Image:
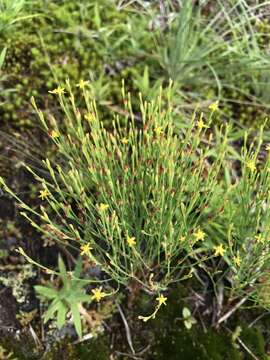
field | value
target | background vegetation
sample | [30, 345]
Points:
[203, 54]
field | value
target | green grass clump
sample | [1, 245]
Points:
[151, 202]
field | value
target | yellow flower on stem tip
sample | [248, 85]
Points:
[89, 117]
[57, 91]
[199, 235]
[82, 83]
[219, 250]
[98, 294]
[44, 194]
[125, 140]
[131, 241]
[214, 106]
[103, 207]
[54, 134]
[251, 165]
[237, 260]
[161, 299]
[259, 238]
[158, 130]
[201, 124]
[86, 249]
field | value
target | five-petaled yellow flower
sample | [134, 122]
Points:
[219, 250]
[44, 194]
[237, 260]
[98, 294]
[82, 83]
[125, 140]
[259, 238]
[199, 235]
[158, 130]
[214, 106]
[58, 91]
[103, 207]
[86, 249]
[131, 241]
[251, 165]
[201, 124]
[161, 299]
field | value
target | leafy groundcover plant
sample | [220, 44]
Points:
[151, 200]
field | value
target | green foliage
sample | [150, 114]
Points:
[150, 201]
[68, 298]
[12, 12]
[219, 50]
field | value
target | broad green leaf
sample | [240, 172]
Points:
[76, 318]
[78, 268]
[61, 315]
[63, 271]
[46, 292]
[51, 310]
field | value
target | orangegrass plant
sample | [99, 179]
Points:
[133, 198]
[150, 202]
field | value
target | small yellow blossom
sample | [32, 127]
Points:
[199, 235]
[267, 148]
[131, 241]
[214, 106]
[161, 299]
[103, 207]
[251, 165]
[82, 84]
[98, 294]
[158, 130]
[58, 91]
[54, 134]
[219, 250]
[182, 238]
[237, 260]
[259, 238]
[44, 194]
[89, 117]
[201, 124]
[125, 140]
[86, 249]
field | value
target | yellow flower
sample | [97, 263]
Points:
[98, 294]
[82, 84]
[267, 147]
[161, 299]
[158, 130]
[251, 165]
[259, 238]
[182, 238]
[58, 91]
[90, 117]
[131, 241]
[199, 235]
[214, 106]
[237, 260]
[86, 249]
[103, 207]
[201, 124]
[219, 250]
[44, 194]
[124, 140]
[54, 134]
